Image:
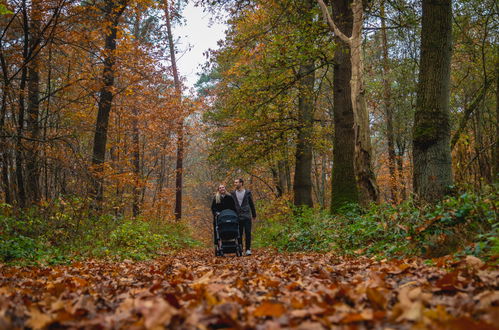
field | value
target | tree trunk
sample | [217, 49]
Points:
[363, 152]
[431, 134]
[136, 163]
[387, 104]
[495, 170]
[113, 11]
[32, 171]
[343, 183]
[282, 175]
[4, 149]
[21, 193]
[180, 124]
[302, 188]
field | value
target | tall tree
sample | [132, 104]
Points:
[387, 105]
[32, 171]
[363, 151]
[180, 124]
[431, 133]
[302, 188]
[343, 183]
[113, 9]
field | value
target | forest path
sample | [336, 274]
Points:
[269, 290]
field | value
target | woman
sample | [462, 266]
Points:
[221, 201]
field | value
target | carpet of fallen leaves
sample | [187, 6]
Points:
[194, 290]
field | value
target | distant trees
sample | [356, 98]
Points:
[86, 106]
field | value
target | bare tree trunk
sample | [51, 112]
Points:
[343, 184]
[282, 172]
[32, 171]
[363, 165]
[5, 150]
[113, 11]
[302, 188]
[431, 134]
[180, 124]
[21, 192]
[136, 163]
[495, 170]
[387, 102]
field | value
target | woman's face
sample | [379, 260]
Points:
[221, 189]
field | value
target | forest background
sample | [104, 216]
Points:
[104, 151]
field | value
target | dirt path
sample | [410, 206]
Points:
[267, 290]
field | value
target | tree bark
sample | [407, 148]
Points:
[180, 125]
[343, 183]
[112, 13]
[302, 189]
[387, 104]
[366, 180]
[495, 170]
[32, 170]
[21, 192]
[431, 133]
[363, 151]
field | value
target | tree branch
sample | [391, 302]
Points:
[331, 24]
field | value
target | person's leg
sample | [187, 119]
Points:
[215, 241]
[247, 229]
[241, 230]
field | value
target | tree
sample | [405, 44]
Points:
[363, 153]
[343, 183]
[113, 9]
[180, 121]
[302, 188]
[431, 134]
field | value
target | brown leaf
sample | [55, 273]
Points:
[269, 309]
[37, 319]
[376, 297]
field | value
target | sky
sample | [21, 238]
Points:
[198, 34]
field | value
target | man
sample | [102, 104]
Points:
[246, 211]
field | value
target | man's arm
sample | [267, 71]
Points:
[251, 204]
[232, 203]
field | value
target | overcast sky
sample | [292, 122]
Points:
[201, 36]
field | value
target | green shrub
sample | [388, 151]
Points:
[66, 230]
[466, 222]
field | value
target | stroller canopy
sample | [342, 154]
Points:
[227, 215]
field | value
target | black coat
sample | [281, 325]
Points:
[247, 209]
[226, 203]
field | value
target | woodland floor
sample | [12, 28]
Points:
[268, 290]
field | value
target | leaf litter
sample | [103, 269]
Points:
[269, 290]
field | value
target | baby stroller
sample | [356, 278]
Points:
[227, 231]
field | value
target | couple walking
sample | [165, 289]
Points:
[240, 201]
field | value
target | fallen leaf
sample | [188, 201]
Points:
[269, 309]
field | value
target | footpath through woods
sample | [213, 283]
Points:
[268, 290]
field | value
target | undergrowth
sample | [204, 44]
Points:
[466, 223]
[66, 231]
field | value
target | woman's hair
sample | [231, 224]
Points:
[218, 195]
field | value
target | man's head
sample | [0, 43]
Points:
[238, 183]
[221, 189]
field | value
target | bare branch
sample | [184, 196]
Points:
[331, 24]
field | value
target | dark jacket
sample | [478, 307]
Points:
[247, 209]
[227, 202]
